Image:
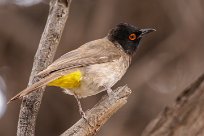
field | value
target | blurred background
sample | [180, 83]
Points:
[167, 61]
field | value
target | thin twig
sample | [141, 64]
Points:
[58, 14]
[99, 114]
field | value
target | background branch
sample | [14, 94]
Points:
[59, 10]
[100, 113]
[185, 117]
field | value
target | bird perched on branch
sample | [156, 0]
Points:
[93, 67]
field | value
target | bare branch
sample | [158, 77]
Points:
[185, 117]
[58, 14]
[100, 113]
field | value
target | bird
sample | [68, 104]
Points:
[94, 66]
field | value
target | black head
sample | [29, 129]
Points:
[128, 36]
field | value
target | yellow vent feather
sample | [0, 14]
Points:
[69, 81]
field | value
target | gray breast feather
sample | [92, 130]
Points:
[108, 73]
[100, 77]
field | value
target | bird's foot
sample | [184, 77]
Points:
[83, 114]
[110, 93]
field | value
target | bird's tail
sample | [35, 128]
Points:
[43, 82]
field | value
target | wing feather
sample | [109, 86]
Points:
[95, 52]
[88, 54]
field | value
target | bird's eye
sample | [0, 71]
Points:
[132, 37]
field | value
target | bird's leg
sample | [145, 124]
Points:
[78, 102]
[81, 110]
[80, 107]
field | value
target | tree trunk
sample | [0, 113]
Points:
[58, 14]
[185, 117]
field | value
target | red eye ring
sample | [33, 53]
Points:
[132, 37]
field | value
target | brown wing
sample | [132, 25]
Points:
[90, 53]
[95, 52]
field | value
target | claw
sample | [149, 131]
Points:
[110, 93]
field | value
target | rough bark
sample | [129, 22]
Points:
[58, 14]
[99, 114]
[185, 117]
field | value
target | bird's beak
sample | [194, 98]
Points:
[146, 31]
